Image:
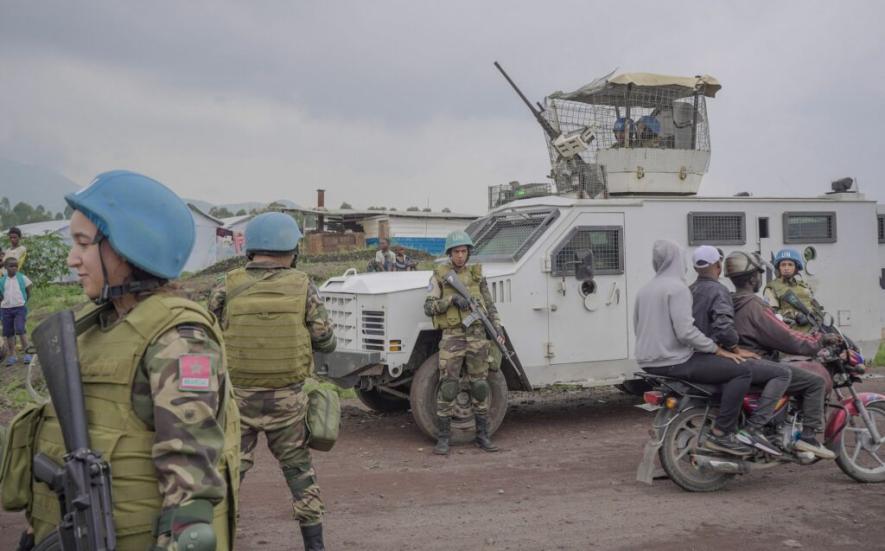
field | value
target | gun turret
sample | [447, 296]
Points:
[83, 482]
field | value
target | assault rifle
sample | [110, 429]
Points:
[477, 314]
[83, 482]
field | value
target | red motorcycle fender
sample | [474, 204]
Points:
[839, 418]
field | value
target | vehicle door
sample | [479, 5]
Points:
[587, 321]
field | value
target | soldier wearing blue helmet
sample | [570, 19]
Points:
[273, 320]
[648, 131]
[623, 130]
[154, 379]
[789, 264]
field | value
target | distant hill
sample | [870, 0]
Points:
[234, 207]
[34, 185]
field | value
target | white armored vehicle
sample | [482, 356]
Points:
[612, 195]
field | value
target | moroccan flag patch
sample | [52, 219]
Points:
[194, 372]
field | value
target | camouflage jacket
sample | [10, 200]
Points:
[189, 439]
[434, 304]
[322, 336]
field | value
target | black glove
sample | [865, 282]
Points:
[801, 319]
[26, 542]
[830, 339]
[461, 302]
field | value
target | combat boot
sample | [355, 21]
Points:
[444, 424]
[482, 434]
[313, 537]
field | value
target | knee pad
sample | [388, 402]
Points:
[479, 389]
[298, 479]
[448, 389]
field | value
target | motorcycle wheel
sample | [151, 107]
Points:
[859, 457]
[680, 439]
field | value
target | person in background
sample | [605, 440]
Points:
[621, 128]
[16, 249]
[402, 261]
[384, 257]
[15, 288]
[648, 130]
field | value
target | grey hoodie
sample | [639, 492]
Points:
[662, 320]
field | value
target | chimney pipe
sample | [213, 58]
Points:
[321, 204]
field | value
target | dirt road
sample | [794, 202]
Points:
[563, 480]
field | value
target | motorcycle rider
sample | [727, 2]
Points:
[668, 343]
[714, 316]
[788, 263]
[762, 332]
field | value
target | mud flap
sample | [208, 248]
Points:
[649, 469]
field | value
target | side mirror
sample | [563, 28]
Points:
[828, 320]
[584, 269]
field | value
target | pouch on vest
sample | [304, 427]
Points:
[323, 418]
[495, 357]
[18, 458]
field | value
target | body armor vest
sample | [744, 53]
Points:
[471, 277]
[267, 340]
[109, 359]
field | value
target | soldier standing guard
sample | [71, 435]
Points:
[160, 406]
[459, 345]
[273, 318]
[788, 263]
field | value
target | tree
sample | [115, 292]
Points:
[412, 209]
[68, 212]
[59, 216]
[241, 212]
[345, 205]
[427, 209]
[220, 212]
[46, 260]
[447, 209]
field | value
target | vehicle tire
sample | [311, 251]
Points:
[858, 457]
[423, 399]
[52, 542]
[680, 438]
[382, 402]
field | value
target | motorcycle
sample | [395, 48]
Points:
[685, 411]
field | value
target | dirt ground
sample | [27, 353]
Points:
[565, 479]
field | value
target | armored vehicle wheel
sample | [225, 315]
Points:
[382, 402]
[423, 395]
[50, 543]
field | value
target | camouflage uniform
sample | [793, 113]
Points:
[280, 412]
[777, 288]
[459, 346]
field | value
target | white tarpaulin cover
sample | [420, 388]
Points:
[610, 90]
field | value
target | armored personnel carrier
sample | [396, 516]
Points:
[628, 153]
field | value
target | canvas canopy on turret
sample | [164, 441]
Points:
[609, 90]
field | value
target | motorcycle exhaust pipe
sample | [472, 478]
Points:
[720, 464]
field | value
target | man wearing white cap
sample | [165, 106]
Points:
[713, 313]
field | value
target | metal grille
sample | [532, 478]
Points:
[881, 228]
[606, 242]
[809, 227]
[717, 228]
[505, 193]
[373, 329]
[341, 309]
[509, 235]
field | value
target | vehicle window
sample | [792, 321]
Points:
[507, 236]
[606, 242]
[717, 228]
[809, 227]
[881, 228]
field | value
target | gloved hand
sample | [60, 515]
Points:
[461, 302]
[801, 319]
[186, 527]
[830, 339]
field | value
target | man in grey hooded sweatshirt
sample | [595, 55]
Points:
[668, 343]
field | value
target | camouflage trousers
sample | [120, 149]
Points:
[279, 413]
[459, 348]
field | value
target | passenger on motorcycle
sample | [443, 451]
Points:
[668, 343]
[761, 331]
[714, 316]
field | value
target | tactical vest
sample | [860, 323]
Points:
[268, 343]
[799, 288]
[109, 359]
[471, 278]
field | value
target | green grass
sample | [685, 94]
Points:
[53, 298]
[879, 360]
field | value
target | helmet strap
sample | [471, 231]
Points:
[108, 292]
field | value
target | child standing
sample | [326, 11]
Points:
[15, 288]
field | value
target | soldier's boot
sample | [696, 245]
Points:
[444, 425]
[482, 434]
[313, 537]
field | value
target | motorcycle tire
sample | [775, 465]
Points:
[52, 542]
[858, 458]
[680, 438]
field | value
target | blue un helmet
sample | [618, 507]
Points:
[272, 232]
[651, 123]
[621, 123]
[145, 222]
[789, 254]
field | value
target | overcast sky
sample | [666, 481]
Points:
[397, 103]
